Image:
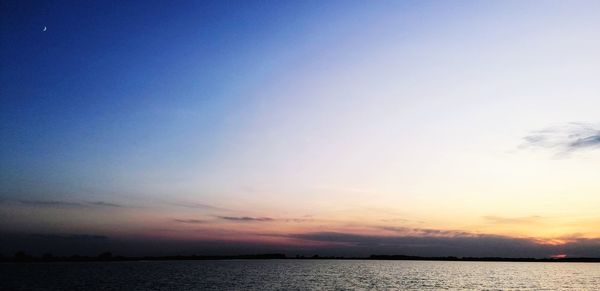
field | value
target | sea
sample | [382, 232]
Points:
[299, 275]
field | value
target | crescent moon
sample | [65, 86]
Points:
[45, 28]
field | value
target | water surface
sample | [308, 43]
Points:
[300, 275]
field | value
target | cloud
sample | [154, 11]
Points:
[245, 218]
[189, 220]
[71, 236]
[474, 245]
[589, 141]
[396, 220]
[264, 219]
[104, 204]
[425, 231]
[566, 138]
[200, 206]
[60, 203]
[512, 220]
[50, 203]
[297, 220]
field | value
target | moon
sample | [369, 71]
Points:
[45, 28]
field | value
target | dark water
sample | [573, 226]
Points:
[300, 275]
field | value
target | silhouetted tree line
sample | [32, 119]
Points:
[480, 259]
[22, 257]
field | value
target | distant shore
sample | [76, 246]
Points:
[108, 257]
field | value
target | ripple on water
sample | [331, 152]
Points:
[300, 275]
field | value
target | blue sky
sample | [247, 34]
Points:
[108, 87]
[106, 82]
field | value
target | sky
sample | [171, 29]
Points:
[466, 128]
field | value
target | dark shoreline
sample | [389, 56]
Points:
[107, 257]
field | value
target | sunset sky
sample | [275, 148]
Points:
[333, 127]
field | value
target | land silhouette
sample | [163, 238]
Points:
[22, 257]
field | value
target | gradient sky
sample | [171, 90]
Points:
[417, 127]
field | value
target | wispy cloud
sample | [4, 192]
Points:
[589, 141]
[297, 220]
[512, 220]
[189, 221]
[86, 237]
[246, 218]
[395, 220]
[61, 203]
[426, 231]
[104, 204]
[50, 203]
[199, 206]
[566, 138]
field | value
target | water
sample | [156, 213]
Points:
[300, 275]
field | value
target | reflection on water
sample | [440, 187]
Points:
[299, 275]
